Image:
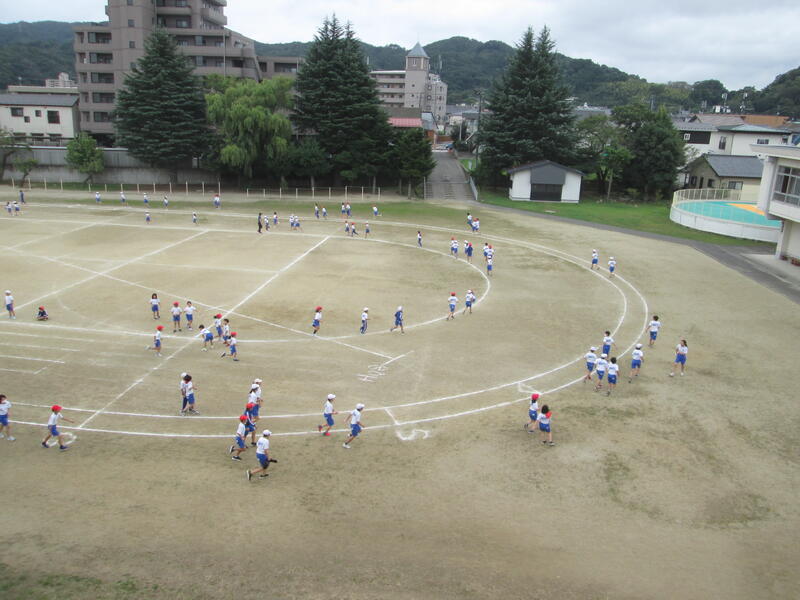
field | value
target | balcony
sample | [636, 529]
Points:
[214, 16]
[174, 10]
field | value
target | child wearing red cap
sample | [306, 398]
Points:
[544, 425]
[156, 340]
[317, 319]
[241, 433]
[176, 316]
[231, 348]
[226, 332]
[452, 301]
[52, 428]
[42, 314]
[533, 412]
[218, 325]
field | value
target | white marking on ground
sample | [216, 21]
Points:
[424, 434]
[31, 358]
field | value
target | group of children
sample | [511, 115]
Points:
[13, 208]
[595, 266]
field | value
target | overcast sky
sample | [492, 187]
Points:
[739, 42]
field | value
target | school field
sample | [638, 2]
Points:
[671, 487]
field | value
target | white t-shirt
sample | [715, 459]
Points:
[470, 297]
[176, 310]
[355, 417]
[328, 410]
[613, 368]
[454, 244]
[534, 405]
[241, 431]
[490, 252]
[158, 335]
[601, 364]
[9, 299]
[318, 316]
[182, 387]
[612, 263]
[590, 357]
[252, 397]
[608, 340]
[226, 330]
[189, 387]
[364, 316]
[543, 418]
[655, 325]
[682, 349]
[4, 406]
[595, 255]
[217, 322]
[189, 310]
[155, 301]
[262, 445]
[452, 300]
[53, 420]
[256, 389]
[637, 354]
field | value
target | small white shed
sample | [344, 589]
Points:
[545, 180]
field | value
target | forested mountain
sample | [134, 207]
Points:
[36, 51]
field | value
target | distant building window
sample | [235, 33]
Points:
[53, 117]
[38, 113]
[723, 141]
[735, 185]
[131, 23]
[102, 77]
[785, 140]
[101, 117]
[26, 119]
[131, 44]
[133, 65]
[686, 136]
[762, 141]
[55, 137]
[710, 183]
[16, 111]
[182, 23]
[130, 2]
[787, 186]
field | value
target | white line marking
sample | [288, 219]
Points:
[50, 236]
[18, 371]
[124, 264]
[413, 435]
[391, 416]
[29, 358]
[36, 346]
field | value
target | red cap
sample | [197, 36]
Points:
[490, 245]
[160, 327]
[534, 396]
[452, 238]
[41, 308]
[175, 303]
[243, 418]
[55, 408]
[318, 308]
[233, 334]
[250, 405]
[452, 293]
[218, 316]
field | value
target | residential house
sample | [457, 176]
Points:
[545, 180]
[40, 119]
[722, 171]
[729, 134]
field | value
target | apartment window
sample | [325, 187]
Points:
[101, 58]
[238, 63]
[183, 23]
[26, 119]
[102, 97]
[131, 23]
[102, 78]
[131, 44]
[181, 3]
[686, 137]
[711, 183]
[85, 116]
[785, 140]
[735, 185]
[37, 135]
[38, 113]
[199, 40]
[99, 37]
[133, 66]
[723, 141]
[162, 22]
[787, 186]
[16, 111]
[130, 2]
[101, 117]
[53, 117]
[762, 141]
[55, 137]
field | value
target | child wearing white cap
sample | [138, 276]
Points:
[637, 356]
[354, 420]
[327, 414]
[591, 359]
[612, 265]
[595, 260]
[262, 455]
[255, 398]
[398, 320]
[10, 305]
[364, 319]
[469, 300]
[600, 368]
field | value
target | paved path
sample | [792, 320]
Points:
[448, 181]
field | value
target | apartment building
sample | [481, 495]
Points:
[414, 87]
[106, 52]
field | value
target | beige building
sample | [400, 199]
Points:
[105, 53]
[40, 119]
[415, 87]
[779, 196]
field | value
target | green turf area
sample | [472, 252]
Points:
[650, 217]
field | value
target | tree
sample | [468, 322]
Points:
[782, 96]
[9, 148]
[160, 114]
[337, 100]
[531, 116]
[84, 155]
[251, 123]
[595, 134]
[414, 156]
[707, 93]
[309, 159]
[25, 165]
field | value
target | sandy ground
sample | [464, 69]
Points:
[671, 487]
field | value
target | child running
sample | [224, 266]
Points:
[595, 260]
[366, 230]
[613, 370]
[317, 319]
[354, 419]
[5, 428]
[226, 332]
[489, 265]
[239, 445]
[9, 302]
[454, 247]
[262, 455]
[176, 316]
[147, 218]
[398, 320]
[591, 359]
[612, 265]
[157, 341]
[254, 398]
[681, 350]
[52, 428]
[655, 326]
[600, 368]
[231, 348]
[327, 414]
[533, 412]
[608, 341]
[637, 356]
[194, 218]
[469, 300]
[419, 239]
[544, 425]
[452, 301]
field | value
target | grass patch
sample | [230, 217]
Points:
[650, 217]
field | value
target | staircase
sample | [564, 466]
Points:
[448, 180]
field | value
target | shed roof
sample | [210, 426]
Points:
[38, 99]
[403, 122]
[542, 163]
[727, 165]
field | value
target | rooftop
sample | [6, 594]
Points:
[38, 99]
[418, 52]
[542, 163]
[726, 165]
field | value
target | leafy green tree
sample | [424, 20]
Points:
[337, 100]
[309, 159]
[25, 164]
[782, 96]
[613, 161]
[251, 123]
[595, 135]
[707, 93]
[84, 155]
[9, 148]
[414, 157]
[161, 113]
[531, 115]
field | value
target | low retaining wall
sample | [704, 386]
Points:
[735, 229]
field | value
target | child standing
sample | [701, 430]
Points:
[469, 300]
[637, 356]
[5, 428]
[155, 306]
[123, 200]
[489, 265]
[189, 312]
[468, 250]
[194, 218]
[454, 247]
[147, 218]
[398, 320]
[544, 425]
[366, 230]
[375, 211]
[324, 213]
[613, 370]
[97, 197]
[176, 316]
[232, 348]
[145, 200]
[533, 412]
[226, 332]
[9, 302]
[364, 320]
[452, 301]
[156, 341]
[681, 350]
[218, 325]
[354, 419]
[419, 239]
[317, 319]
[327, 414]
[655, 326]
[52, 428]
[166, 202]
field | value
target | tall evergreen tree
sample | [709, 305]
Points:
[339, 102]
[414, 156]
[161, 112]
[531, 117]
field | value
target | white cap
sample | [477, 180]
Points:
[359, 406]
[183, 375]
[266, 433]
[366, 309]
[638, 346]
[399, 308]
[611, 258]
[257, 380]
[470, 291]
[331, 396]
[8, 291]
[592, 349]
[594, 249]
[604, 355]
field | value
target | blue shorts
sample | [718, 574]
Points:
[469, 303]
[680, 359]
[611, 269]
[545, 428]
[653, 335]
[594, 261]
[489, 267]
[606, 349]
[208, 337]
[255, 410]
[219, 331]
[398, 322]
[590, 367]
[232, 348]
[3, 419]
[533, 414]
[366, 230]
[54, 430]
[248, 427]
[635, 364]
[328, 419]
[262, 460]
[612, 379]
[315, 323]
[176, 318]
[154, 308]
[355, 429]
[469, 252]
[9, 306]
[189, 317]
[600, 375]
[226, 338]
[240, 442]
[190, 398]
[452, 308]
[157, 344]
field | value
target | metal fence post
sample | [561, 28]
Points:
[187, 188]
[61, 181]
[345, 192]
[170, 188]
[154, 188]
[204, 188]
[313, 192]
[362, 192]
[329, 193]
[137, 187]
[45, 183]
[296, 193]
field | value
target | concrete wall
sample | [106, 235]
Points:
[572, 188]
[521, 183]
[121, 167]
[723, 227]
